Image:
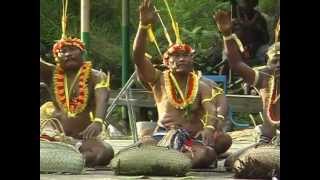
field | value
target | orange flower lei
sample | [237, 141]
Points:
[78, 103]
[175, 97]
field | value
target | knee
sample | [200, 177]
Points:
[97, 153]
[223, 143]
[203, 157]
[267, 129]
[104, 154]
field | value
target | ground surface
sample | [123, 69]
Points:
[240, 139]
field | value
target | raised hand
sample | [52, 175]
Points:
[147, 13]
[223, 21]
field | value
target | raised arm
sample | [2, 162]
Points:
[146, 71]
[236, 63]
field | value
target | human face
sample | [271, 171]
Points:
[181, 62]
[69, 58]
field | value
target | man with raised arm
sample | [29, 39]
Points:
[188, 118]
[266, 79]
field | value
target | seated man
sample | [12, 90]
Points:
[251, 28]
[188, 119]
[79, 96]
[266, 79]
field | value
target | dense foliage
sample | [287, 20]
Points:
[194, 18]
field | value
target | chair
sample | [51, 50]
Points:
[218, 79]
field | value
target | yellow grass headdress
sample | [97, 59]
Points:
[178, 46]
[65, 40]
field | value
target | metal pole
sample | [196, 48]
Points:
[85, 24]
[123, 90]
[125, 47]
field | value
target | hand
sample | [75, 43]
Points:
[92, 131]
[207, 136]
[147, 13]
[223, 20]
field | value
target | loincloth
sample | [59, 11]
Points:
[179, 139]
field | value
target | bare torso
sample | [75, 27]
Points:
[169, 116]
[73, 125]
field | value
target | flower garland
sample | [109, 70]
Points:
[175, 95]
[76, 104]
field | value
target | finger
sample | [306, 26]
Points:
[92, 134]
[205, 139]
[156, 10]
[210, 140]
[149, 3]
[214, 16]
[227, 14]
[218, 14]
[145, 3]
[197, 135]
[86, 133]
[207, 142]
[82, 133]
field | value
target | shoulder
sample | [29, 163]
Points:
[261, 16]
[208, 82]
[205, 86]
[98, 76]
[209, 89]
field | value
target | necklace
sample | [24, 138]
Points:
[72, 105]
[176, 97]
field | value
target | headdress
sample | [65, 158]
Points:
[65, 40]
[72, 105]
[178, 46]
[177, 98]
